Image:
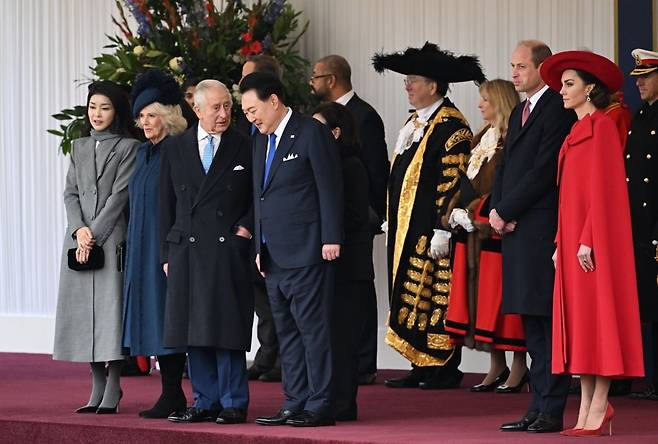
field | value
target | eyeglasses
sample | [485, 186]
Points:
[411, 80]
[312, 79]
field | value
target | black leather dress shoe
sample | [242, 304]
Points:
[194, 414]
[310, 419]
[545, 424]
[231, 416]
[272, 375]
[279, 419]
[521, 425]
[491, 386]
[442, 381]
[412, 380]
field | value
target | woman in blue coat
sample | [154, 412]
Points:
[155, 99]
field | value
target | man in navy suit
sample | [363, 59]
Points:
[524, 211]
[332, 81]
[298, 210]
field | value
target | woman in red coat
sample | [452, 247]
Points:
[596, 323]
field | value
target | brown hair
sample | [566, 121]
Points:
[539, 50]
[266, 63]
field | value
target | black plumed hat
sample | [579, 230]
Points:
[152, 86]
[432, 62]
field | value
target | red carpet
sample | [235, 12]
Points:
[38, 397]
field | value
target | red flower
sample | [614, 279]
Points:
[244, 50]
[256, 47]
[251, 21]
[246, 36]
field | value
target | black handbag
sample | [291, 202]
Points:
[96, 259]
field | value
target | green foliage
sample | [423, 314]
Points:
[193, 39]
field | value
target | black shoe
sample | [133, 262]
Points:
[545, 424]
[310, 419]
[110, 410]
[515, 388]
[648, 395]
[231, 416]
[495, 383]
[194, 414]
[279, 419]
[521, 425]
[367, 378]
[87, 409]
[443, 381]
[412, 380]
[164, 407]
[254, 372]
[273, 375]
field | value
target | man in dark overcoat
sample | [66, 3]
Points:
[642, 177]
[524, 210]
[206, 225]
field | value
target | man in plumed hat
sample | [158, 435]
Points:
[641, 167]
[431, 150]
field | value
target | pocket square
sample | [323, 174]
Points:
[238, 168]
[290, 157]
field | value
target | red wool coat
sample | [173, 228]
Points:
[596, 322]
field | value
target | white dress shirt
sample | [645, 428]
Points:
[345, 97]
[536, 96]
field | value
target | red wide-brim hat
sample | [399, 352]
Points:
[600, 67]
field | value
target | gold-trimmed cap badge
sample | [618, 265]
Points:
[645, 61]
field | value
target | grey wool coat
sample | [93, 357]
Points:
[89, 304]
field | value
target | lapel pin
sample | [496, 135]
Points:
[292, 136]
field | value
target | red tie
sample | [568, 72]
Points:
[526, 112]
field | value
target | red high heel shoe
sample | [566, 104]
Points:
[607, 421]
[569, 432]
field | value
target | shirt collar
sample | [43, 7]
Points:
[425, 113]
[345, 97]
[536, 96]
[282, 125]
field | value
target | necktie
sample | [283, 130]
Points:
[526, 112]
[253, 129]
[271, 149]
[208, 151]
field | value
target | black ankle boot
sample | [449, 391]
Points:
[172, 398]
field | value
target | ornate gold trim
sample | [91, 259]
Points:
[461, 135]
[439, 342]
[440, 300]
[407, 350]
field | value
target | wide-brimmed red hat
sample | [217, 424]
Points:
[600, 67]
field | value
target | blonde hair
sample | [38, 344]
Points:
[503, 97]
[171, 116]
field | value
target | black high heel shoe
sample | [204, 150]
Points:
[110, 410]
[87, 409]
[496, 382]
[516, 388]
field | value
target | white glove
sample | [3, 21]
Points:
[440, 244]
[459, 216]
[384, 226]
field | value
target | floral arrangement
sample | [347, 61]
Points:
[195, 39]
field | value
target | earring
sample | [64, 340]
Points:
[587, 97]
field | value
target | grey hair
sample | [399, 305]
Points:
[205, 85]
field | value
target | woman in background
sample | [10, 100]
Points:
[89, 304]
[156, 110]
[474, 316]
[354, 269]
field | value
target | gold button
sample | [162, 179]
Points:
[628, 156]
[644, 204]
[627, 179]
[646, 180]
[641, 111]
[653, 132]
[648, 156]
[629, 132]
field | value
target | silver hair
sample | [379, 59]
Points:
[205, 85]
[172, 118]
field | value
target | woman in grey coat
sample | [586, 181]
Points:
[89, 305]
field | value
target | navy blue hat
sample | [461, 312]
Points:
[154, 86]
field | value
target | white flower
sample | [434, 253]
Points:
[176, 64]
[138, 50]
[236, 58]
[121, 70]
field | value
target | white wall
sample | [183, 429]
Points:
[47, 44]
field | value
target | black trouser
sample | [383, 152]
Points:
[549, 391]
[267, 356]
[367, 346]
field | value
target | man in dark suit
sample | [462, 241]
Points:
[207, 220]
[298, 207]
[641, 168]
[524, 211]
[267, 365]
[331, 82]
